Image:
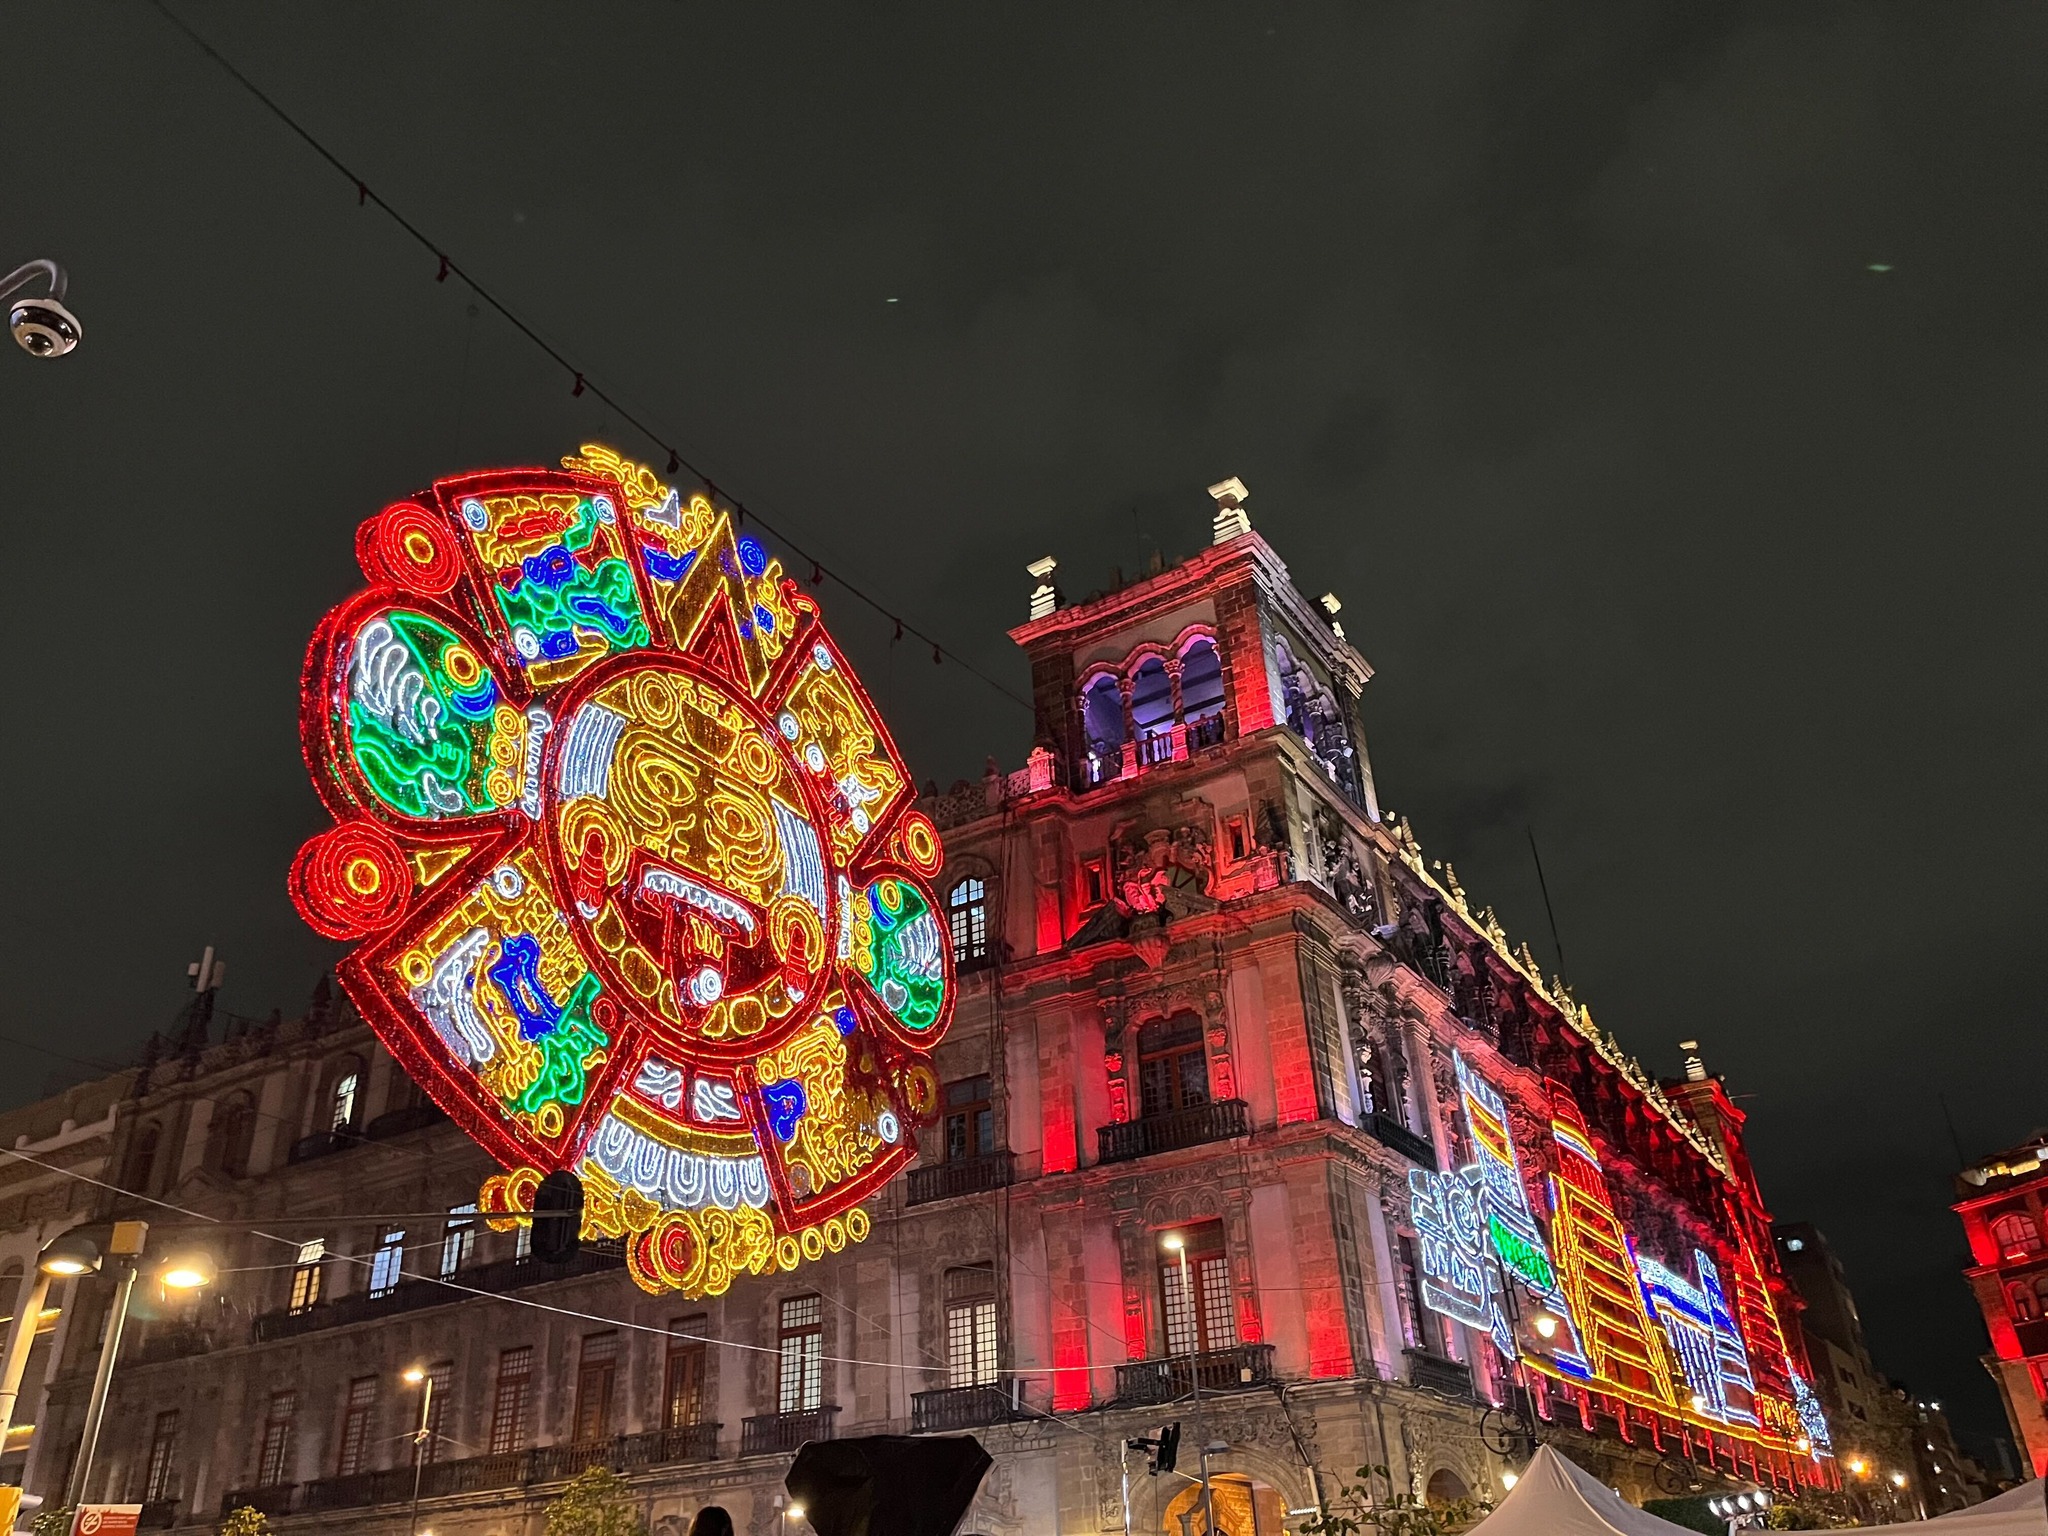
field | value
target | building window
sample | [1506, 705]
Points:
[1173, 1066]
[306, 1274]
[967, 912]
[802, 1365]
[388, 1262]
[227, 1141]
[970, 1118]
[355, 1425]
[163, 1457]
[274, 1463]
[1206, 1319]
[1094, 883]
[458, 1238]
[508, 1410]
[596, 1373]
[344, 1116]
[1419, 1321]
[971, 1326]
[2017, 1234]
[142, 1162]
[440, 1377]
[682, 1387]
[522, 1242]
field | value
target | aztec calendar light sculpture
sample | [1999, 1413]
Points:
[638, 883]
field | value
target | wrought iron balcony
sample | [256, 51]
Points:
[1188, 1127]
[508, 1469]
[778, 1434]
[963, 1408]
[167, 1340]
[1206, 732]
[274, 1500]
[412, 1293]
[1218, 1370]
[1434, 1372]
[960, 1176]
[1391, 1132]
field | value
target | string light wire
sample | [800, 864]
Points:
[583, 383]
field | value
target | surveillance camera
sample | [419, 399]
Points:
[44, 328]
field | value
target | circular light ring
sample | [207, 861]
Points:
[351, 881]
[410, 548]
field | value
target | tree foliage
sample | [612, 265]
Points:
[1361, 1507]
[597, 1502]
[242, 1522]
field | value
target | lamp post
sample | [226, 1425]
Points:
[422, 1378]
[1174, 1243]
[21, 1338]
[84, 1251]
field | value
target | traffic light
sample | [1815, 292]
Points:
[1168, 1454]
[1164, 1451]
[558, 1218]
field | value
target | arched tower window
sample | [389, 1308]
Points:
[1201, 694]
[1102, 724]
[2016, 1233]
[1152, 710]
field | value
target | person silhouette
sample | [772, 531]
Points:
[711, 1520]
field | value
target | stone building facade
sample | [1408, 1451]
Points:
[2003, 1203]
[1215, 1010]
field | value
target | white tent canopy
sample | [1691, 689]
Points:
[2022, 1511]
[1555, 1498]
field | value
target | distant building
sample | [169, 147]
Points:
[2000, 1203]
[70, 1133]
[1242, 1093]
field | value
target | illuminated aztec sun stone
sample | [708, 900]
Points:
[632, 862]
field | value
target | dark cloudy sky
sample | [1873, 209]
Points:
[1548, 337]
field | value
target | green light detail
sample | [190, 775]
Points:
[566, 1051]
[421, 741]
[1525, 1259]
[908, 967]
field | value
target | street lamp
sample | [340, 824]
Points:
[83, 1251]
[421, 1377]
[1175, 1244]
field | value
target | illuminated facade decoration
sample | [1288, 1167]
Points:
[638, 882]
[2001, 1201]
[1663, 1342]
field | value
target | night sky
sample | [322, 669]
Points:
[1660, 388]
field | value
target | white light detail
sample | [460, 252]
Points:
[712, 1100]
[707, 986]
[473, 513]
[538, 723]
[586, 767]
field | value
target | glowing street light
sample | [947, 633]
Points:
[189, 1270]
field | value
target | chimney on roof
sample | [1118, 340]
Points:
[1231, 518]
[1045, 597]
[1695, 1068]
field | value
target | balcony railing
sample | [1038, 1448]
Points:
[1205, 733]
[1218, 1370]
[963, 1408]
[777, 1434]
[1391, 1132]
[1188, 1127]
[173, 1341]
[474, 1474]
[274, 1500]
[411, 1294]
[960, 1176]
[1450, 1377]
